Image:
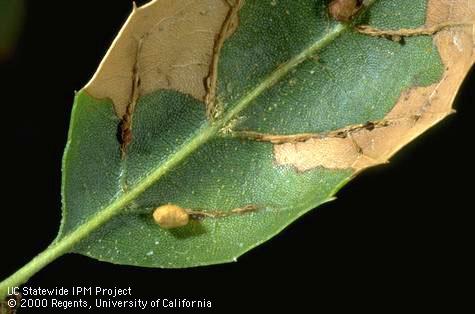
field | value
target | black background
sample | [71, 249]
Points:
[397, 233]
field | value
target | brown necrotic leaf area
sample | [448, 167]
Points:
[166, 44]
[417, 109]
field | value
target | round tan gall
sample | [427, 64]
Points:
[171, 216]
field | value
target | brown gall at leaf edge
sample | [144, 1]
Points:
[344, 10]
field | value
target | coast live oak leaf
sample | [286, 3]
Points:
[211, 125]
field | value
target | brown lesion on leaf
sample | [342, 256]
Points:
[399, 34]
[125, 124]
[302, 137]
[227, 29]
[172, 216]
[354, 147]
[166, 44]
[202, 214]
[417, 109]
[181, 41]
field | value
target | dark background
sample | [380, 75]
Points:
[397, 233]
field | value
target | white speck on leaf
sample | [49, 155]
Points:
[457, 43]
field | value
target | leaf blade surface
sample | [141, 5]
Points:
[287, 68]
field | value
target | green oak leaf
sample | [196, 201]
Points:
[177, 156]
[292, 98]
